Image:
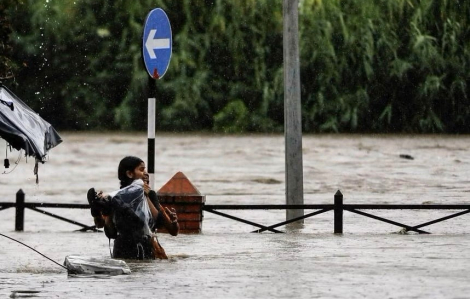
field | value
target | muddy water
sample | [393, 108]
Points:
[370, 260]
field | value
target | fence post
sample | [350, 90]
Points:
[338, 212]
[19, 216]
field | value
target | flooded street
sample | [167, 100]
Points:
[370, 260]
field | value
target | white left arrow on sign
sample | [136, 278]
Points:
[152, 44]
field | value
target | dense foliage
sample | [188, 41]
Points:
[366, 65]
[7, 65]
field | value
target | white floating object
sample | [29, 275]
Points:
[89, 265]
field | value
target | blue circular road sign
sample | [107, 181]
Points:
[157, 43]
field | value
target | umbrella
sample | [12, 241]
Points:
[23, 128]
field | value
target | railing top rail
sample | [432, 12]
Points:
[274, 206]
[47, 205]
[57, 205]
[7, 204]
[344, 206]
[265, 207]
[407, 206]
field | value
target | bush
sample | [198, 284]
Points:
[233, 118]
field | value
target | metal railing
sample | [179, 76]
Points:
[338, 208]
[21, 205]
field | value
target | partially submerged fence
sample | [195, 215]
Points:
[338, 208]
[20, 205]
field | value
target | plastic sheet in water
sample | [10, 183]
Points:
[88, 265]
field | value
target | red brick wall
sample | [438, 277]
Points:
[188, 209]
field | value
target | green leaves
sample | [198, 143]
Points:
[232, 119]
[366, 65]
[384, 66]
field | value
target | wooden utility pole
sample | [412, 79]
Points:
[292, 109]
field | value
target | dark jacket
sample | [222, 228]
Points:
[131, 233]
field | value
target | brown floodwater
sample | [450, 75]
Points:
[369, 260]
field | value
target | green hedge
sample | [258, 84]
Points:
[366, 65]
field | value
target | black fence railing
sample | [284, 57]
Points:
[338, 208]
[20, 205]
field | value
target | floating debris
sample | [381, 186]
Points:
[404, 156]
[88, 265]
[23, 294]
[269, 181]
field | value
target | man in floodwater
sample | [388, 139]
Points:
[131, 214]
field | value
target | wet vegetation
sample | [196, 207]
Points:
[366, 65]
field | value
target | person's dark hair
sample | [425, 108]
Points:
[128, 163]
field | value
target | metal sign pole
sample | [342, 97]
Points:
[151, 142]
[156, 53]
[292, 109]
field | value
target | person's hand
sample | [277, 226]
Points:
[172, 214]
[146, 188]
[146, 178]
[99, 221]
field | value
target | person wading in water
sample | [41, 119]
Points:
[132, 214]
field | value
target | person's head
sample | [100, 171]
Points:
[131, 168]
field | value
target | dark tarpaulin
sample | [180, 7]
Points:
[23, 128]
